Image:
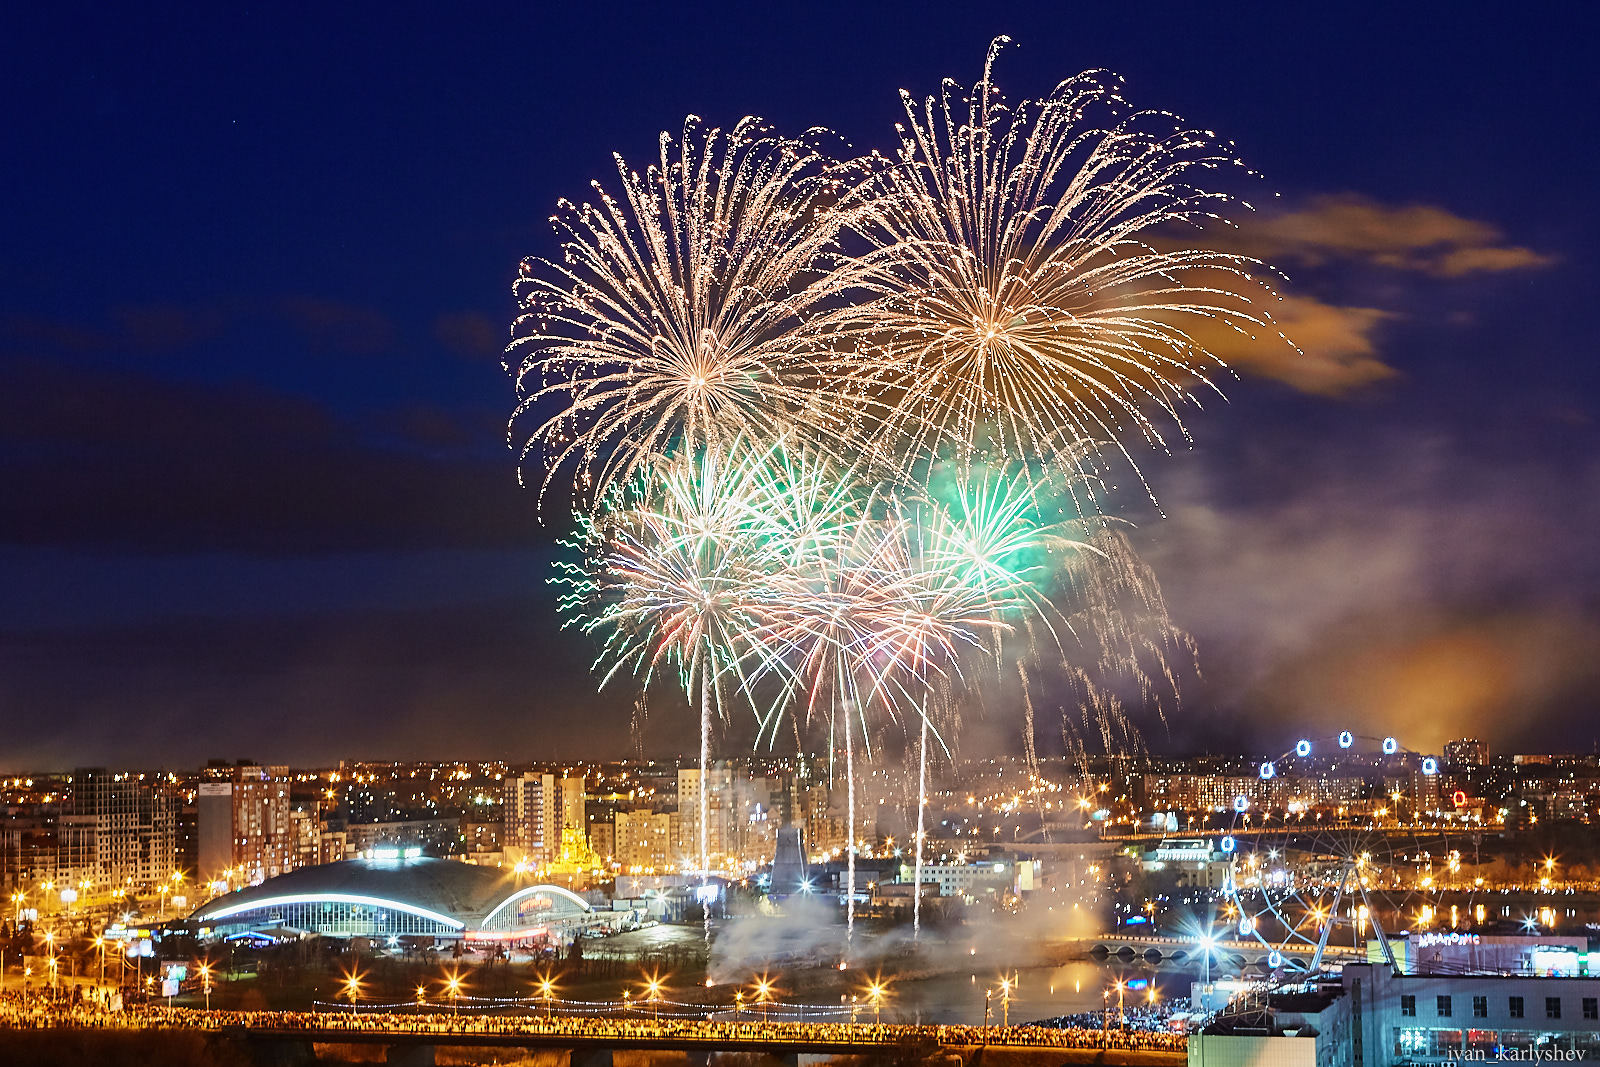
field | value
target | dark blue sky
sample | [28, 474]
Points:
[254, 279]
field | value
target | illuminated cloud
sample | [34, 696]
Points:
[1410, 237]
[333, 325]
[468, 333]
[1333, 350]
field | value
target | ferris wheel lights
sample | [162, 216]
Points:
[1346, 739]
[1302, 747]
[1275, 959]
[1267, 770]
[1228, 844]
[1241, 803]
[1430, 765]
[1390, 746]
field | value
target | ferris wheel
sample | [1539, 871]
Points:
[1337, 842]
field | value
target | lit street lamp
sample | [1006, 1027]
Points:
[653, 994]
[352, 989]
[452, 986]
[763, 996]
[875, 994]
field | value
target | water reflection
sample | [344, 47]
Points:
[1038, 992]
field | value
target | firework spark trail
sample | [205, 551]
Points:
[1019, 303]
[672, 323]
[757, 362]
[874, 614]
[671, 573]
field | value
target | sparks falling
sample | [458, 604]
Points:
[672, 322]
[1030, 296]
[816, 413]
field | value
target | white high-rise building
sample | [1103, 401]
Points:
[535, 809]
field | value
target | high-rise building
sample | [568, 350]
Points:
[1466, 752]
[603, 839]
[722, 802]
[244, 823]
[28, 847]
[535, 809]
[118, 829]
[645, 840]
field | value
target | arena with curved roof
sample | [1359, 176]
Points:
[403, 897]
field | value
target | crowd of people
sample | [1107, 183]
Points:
[16, 1011]
[1153, 1018]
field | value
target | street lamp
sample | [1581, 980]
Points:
[653, 994]
[1005, 1002]
[205, 979]
[452, 986]
[546, 990]
[875, 994]
[763, 995]
[352, 989]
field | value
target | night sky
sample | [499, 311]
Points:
[255, 271]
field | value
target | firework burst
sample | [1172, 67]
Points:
[1023, 297]
[671, 324]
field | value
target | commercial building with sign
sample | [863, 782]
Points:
[1373, 1017]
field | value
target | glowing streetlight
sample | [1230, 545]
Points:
[652, 988]
[763, 995]
[352, 989]
[547, 990]
[205, 978]
[452, 988]
[875, 994]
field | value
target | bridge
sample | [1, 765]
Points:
[291, 1039]
[1154, 949]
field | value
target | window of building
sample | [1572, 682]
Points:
[1443, 1006]
[1408, 1005]
[1480, 1007]
[1514, 1007]
[1591, 1007]
[1552, 1007]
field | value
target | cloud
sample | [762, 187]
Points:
[467, 333]
[1327, 347]
[131, 462]
[1403, 581]
[163, 327]
[335, 325]
[1322, 349]
[466, 680]
[1411, 237]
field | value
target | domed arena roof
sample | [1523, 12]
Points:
[462, 896]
